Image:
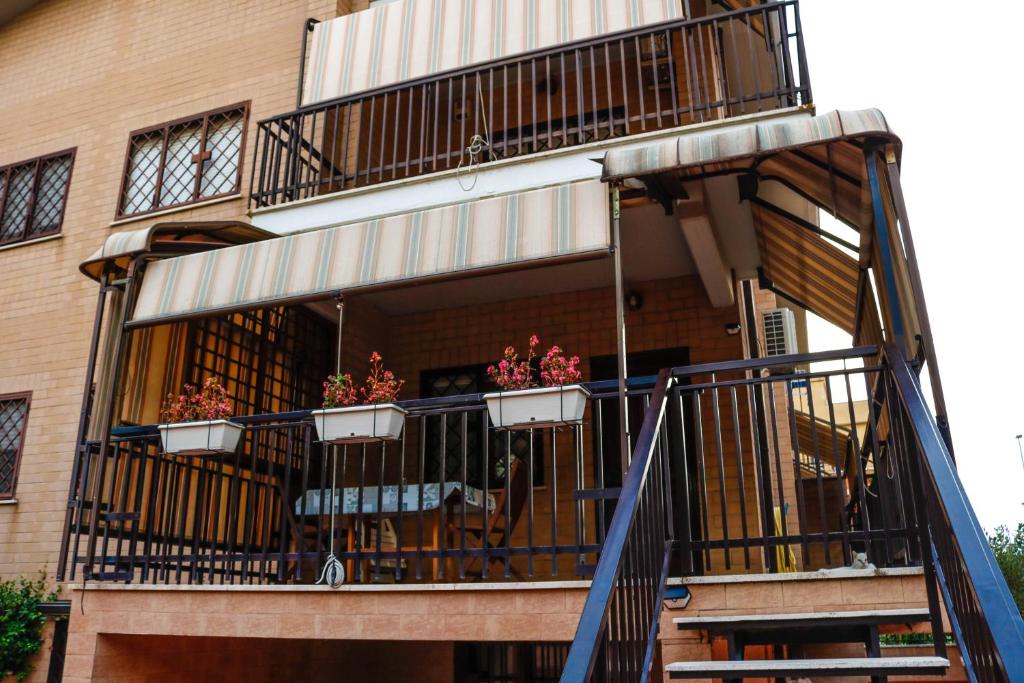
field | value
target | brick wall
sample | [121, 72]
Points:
[84, 74]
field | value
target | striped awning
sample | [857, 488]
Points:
[807, 269]
[821, 441]
[569, 220]
[409, 39]
[169, 238]
[820, 158]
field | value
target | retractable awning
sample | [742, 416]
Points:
[410, 39]
[560, 222]
[169, 238]
[820, 158]
[807, 269]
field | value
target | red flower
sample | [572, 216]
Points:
[211, 402]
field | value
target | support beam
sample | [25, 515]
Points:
[697, 226]
[620, 329]
[938, 397]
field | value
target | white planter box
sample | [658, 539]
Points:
[360, 424]
[541, 407]
[208, 437]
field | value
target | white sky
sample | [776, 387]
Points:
[947, 76]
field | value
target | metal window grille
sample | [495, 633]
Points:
[32, 196]
[13, 419]
[184, 161]
[472, 379]
[270, 361]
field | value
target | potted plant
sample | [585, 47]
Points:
[342, 421]
[559, 399]
[195, 422]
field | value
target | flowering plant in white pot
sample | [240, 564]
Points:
[342, 420]
[195, 422]
[559, 398]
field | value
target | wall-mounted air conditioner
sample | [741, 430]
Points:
[779, 332]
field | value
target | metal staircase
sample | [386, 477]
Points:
[617, 635]
[793, 631]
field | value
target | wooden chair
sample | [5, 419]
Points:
[493, 531]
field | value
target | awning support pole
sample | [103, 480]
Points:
[83, 420]
[941, 416]
[340, 303]
[106, 413]
[887, 266]
[620, 329]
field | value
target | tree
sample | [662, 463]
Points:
[1009, 552]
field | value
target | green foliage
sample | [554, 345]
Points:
[21, 623]
[1009, 552]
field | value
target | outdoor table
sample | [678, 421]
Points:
[344, 503]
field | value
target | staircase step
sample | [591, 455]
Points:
[757, 622]
[858, 666]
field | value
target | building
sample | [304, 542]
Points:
[268, 193]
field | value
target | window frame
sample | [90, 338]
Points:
[203, 118]
[27, 396]
[5, 171]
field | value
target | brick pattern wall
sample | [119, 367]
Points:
[84, 74]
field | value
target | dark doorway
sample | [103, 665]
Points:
[641, 364]
[462, 433]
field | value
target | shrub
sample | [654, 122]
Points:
[21, 623]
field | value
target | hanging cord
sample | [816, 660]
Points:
[333, 573]
[476, 146]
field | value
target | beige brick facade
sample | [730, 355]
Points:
[83, 75]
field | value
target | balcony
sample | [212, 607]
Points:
[761, 474]
[611, 87]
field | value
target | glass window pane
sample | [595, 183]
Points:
[50, 196]
[143, 166]
[12, 223]
[12, 425]
[224, 143]
[179, 180]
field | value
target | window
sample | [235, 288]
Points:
[13, 419]
[32, 196]
[184, 161]
[458, 381]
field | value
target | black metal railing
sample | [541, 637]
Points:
[789, 468]
[982, 613]
[621, 84]
[618, 628]
[452, 499]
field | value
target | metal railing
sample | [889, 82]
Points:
[452, 499]
[647, 79]
[789, 468]
[618, 628]
[982, 613]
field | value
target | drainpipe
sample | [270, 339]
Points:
[620, 329]
[106, 414]
[307, 28]
[83, 421]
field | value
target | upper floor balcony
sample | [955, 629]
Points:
[666, 67]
